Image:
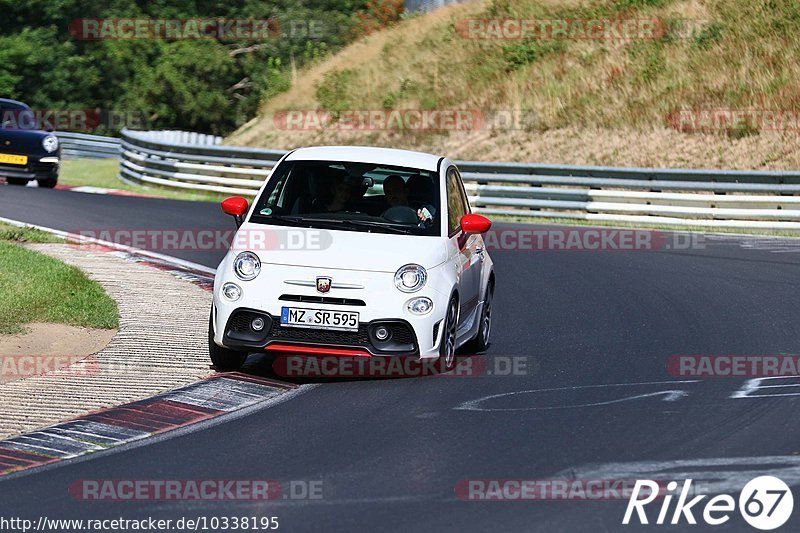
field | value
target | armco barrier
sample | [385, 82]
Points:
[147, 159]
[709, 198]
[81, 145]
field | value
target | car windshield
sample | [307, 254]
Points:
[351, 196]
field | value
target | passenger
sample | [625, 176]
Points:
[336, 194]
[421, 197]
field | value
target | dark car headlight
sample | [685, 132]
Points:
[50, 144]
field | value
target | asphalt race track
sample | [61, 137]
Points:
[596, 401]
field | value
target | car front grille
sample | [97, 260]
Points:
[321, 300]
[401, 333]
[42, 168]
[240, 322]
[310, 335]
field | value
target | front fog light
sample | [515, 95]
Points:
[420, 306]
[247, 266]
[231, 291]
[381, 333]
[257, 324]
[410, 278]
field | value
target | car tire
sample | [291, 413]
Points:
[16, 181]
[47, 183]
[447, 347]
[481, 341]
[223, 359]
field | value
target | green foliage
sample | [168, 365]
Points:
[208, 84]
[518, 55]
[648, 61]
[709, 34]
[638, 4]
[333, 93]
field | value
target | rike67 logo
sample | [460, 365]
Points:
[765, 503]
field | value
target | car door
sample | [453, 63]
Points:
[468, 247]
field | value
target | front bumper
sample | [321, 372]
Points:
[376, 300]
[239, 334]
[44, 167]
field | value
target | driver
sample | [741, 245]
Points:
[396, 192]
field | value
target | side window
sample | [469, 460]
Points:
[456, 202]
[464, 199]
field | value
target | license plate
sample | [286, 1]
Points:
[11, 159]
[319, 318]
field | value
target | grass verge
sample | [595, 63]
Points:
[104, 173]
[38, 288]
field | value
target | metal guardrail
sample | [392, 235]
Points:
[413, 6]
[146, 159]
[81, 145]
[709, 198]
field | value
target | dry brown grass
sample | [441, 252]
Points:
[593, 102]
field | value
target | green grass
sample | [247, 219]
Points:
[9, 233]
[104, 173]
[38, 288]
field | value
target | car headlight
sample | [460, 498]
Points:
[410, 278]
[231, 291]
[247, 266]
[50, 144]
[420, 306]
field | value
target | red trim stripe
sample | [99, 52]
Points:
[316, 350]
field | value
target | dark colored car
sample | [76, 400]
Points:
[26, 152]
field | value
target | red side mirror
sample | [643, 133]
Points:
[236, 206]
[472, 223]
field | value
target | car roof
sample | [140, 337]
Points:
[368, 154]
[15, 102]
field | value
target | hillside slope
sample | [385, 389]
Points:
[717, 84]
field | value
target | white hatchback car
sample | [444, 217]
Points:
[354, 251]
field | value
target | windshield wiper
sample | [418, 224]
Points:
[297, 219]
[381, 225]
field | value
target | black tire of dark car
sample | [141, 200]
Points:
[223, 359]
[47, 183]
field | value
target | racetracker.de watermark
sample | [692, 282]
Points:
[80, 120]
[548, 489]
[26, 366]
[173, 29]
[203, 239]
[589, 239]
[733, 366]
[410, 120]
[715, 120]
[580, 29]
[194, 489]
[309, 366]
